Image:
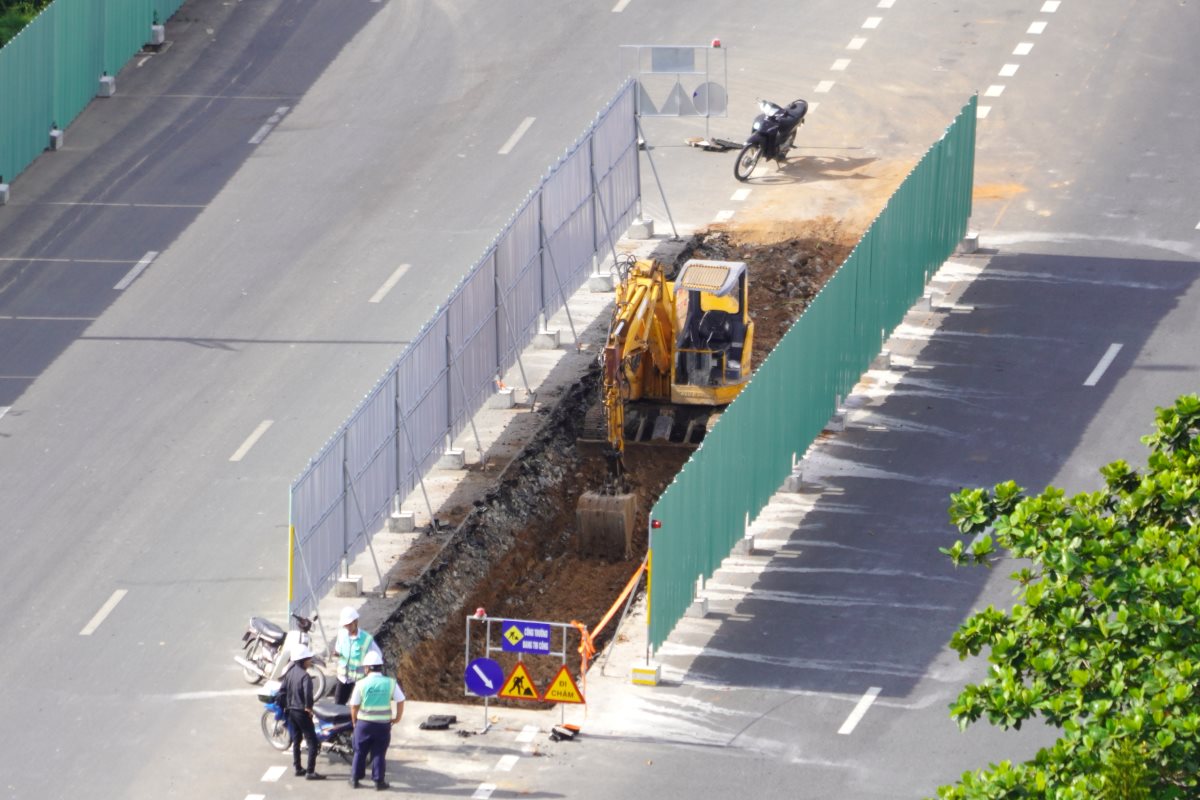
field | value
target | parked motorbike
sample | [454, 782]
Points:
[334, 729]
[268, 648]
[771, 136]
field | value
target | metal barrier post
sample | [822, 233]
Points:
[366, 534]
[413, 452]
[658, 181]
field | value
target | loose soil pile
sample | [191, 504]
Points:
[513, 553]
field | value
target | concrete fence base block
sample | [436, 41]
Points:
[404, 522]
[108, 86]
[698, 608]
[925, 303]
[794, 483]
[158, 35]
[3, 194]
[546, 339]
[453, 459]
[837, 423]
[349, 586]
[641, 229]
[969, 244]
[883, 360]
[744, 546]
[600, 282]
[56, 139]
[646, 674]
[505, 398]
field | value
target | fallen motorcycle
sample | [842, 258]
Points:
[772, 135]
[267, 650]
[335, 732]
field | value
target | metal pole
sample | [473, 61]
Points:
[311, 593]
[345, 507]
[661, 193]
[516, 350]
[396, 434]
[561, 292]
[363, 521]
[416, 466]
[620, 622]
[462, 390]
[607, 228]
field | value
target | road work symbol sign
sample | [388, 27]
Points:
[563, 689]
[521, 636]
[519, 685]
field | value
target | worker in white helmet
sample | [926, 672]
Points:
[352, 646]
[376, 704]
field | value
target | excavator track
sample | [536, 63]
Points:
[654, 424]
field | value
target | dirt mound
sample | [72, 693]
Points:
[513, 553]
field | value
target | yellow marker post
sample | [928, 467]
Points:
[291, 560]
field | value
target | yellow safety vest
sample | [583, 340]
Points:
[350, 655]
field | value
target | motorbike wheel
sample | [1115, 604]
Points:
[276, 731]
[747, 160]
[254, 656]
[320, 682]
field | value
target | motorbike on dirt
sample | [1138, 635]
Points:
[267, 650]
[335, 732]
[771, 136]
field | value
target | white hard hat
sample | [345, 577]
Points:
[301, 652]
[348, 616]
[372, 659]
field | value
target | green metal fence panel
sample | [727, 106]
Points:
[795, 391]
[51, 70]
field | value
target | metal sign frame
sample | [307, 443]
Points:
[651, 63]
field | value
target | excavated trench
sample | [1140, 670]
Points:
[513, 553]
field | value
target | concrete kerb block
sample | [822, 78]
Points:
[402, 522]
[641, 229]
[969, 244]
[453, 458]
[108, 86]
[794, 483]
[56, 138]
[599, 282]
[646, 674]
[349, 586]
[547, 339]
[744, 546]
[158, 35]
[698, 608]
[504, 398]
[925, 303]
[883, 360]
[3, 191]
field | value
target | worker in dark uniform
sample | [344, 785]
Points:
[296, 692]
[376, 704]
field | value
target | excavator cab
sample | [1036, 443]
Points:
[715, 338]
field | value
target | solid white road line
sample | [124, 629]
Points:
[251, 439]
[389, 283]
[270, 124]
[1008, 70]
[4, 410]
[1094, 378]
[620, 6]
[723, 215]
[856, 43]
[824, 86]
[840, 65]
[995, 90]
[1050, 6]
[1023, 49]
[213, 693]
[114, 205]
[516, 137]
[872, 22]
[506, 763]
[742, 194]
[104, 611]
[982, 112]
[273, 774]
[484, 791]
[131, 276]
[1036, 27]
[527, 733]
[859, 710]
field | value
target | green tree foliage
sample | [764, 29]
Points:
[16, 14]
[1103, 640]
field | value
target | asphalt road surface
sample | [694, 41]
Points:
[282, 160]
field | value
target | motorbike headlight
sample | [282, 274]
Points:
[757, 124]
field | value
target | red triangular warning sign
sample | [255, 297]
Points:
[563, 689]
[518, 685]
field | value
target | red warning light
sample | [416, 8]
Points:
[656, 523]
[716, 42]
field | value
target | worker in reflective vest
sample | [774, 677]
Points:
[352, 646]
[376, 704]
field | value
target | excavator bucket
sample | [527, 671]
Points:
[605, 523]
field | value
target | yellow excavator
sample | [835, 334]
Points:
[671, 344]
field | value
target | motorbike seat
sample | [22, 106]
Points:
[268, 630]
[332, 713]
[797, 109]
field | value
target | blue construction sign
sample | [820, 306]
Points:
[522, 636]
[483, 677]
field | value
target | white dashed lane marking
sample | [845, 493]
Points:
[723, 216]
[103, 613]
[859, 710]
[872, 22]
[527, 733]
[251, 440]
[824, 86]
[982, 112]
[273, 774]
[840, 65]
[995, 90]
[1050, 6]
[484, 791]
[1023, 49]
[270, 124]
[1104, 364]
[620, 6]
[389, 284]
[138, 269]
[886, 3]
[506, 763]
[1008, 70]
[256, 797]
[740, 195]
[1036, 28]
[525, 125]
[856, 43]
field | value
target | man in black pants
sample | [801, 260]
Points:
[296, 691]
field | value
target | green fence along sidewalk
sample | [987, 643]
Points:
[51, 70]
[795, 391]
